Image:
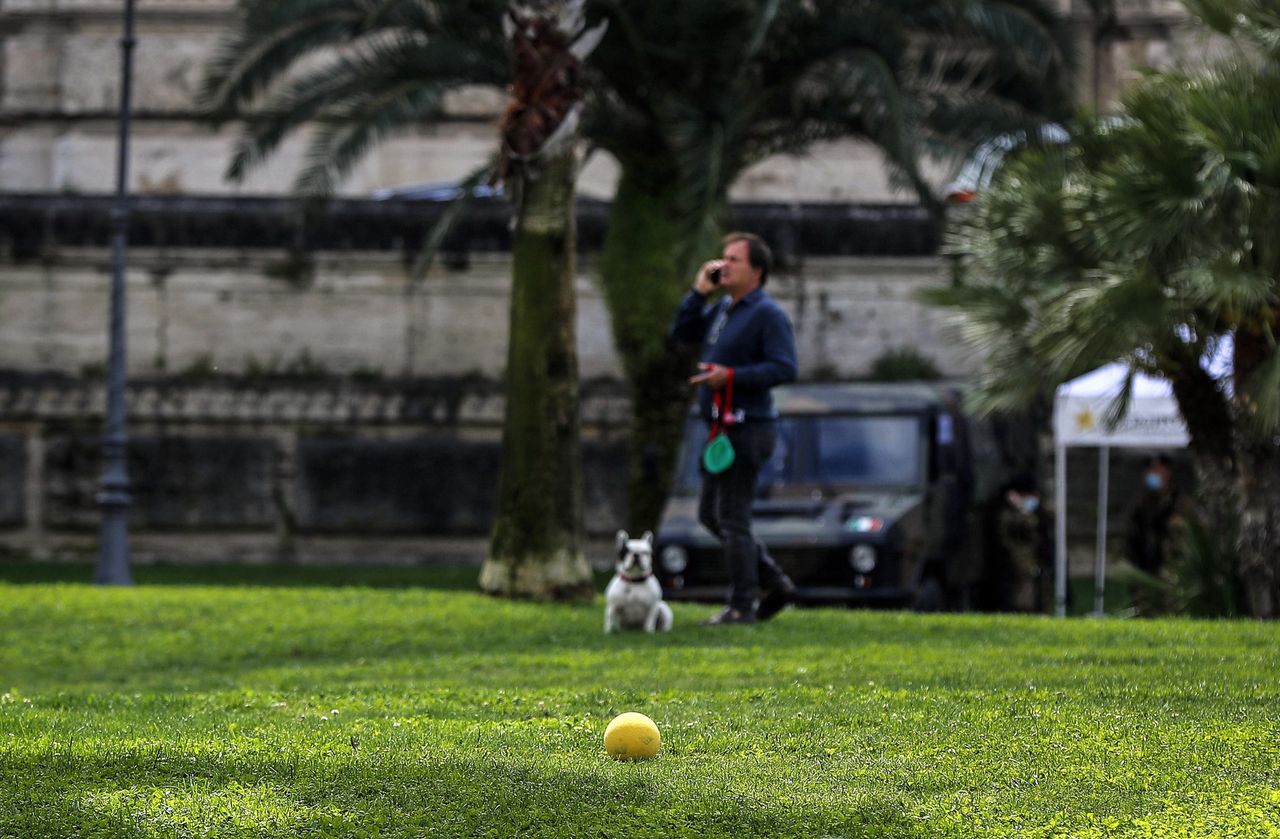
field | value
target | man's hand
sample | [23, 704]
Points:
[712, 375]
[702, 283]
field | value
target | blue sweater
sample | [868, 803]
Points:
[753, 337]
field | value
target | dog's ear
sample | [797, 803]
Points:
[648, 537]
[622, 539]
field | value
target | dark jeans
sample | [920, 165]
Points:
[725, 509]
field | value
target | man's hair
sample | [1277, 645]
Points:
[758, 253]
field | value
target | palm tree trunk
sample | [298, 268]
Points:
[1212, 429]
[1207, 414]
[1258, 459]
[1260, 525]
[645, 250]
[535, 549]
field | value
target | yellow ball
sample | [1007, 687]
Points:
[632, 736]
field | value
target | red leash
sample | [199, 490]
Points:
[722, 408]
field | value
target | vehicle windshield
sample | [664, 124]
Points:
[876, 450]
[867, 450]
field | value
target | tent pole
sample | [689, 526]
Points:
[1060, 531]
[1100, 554]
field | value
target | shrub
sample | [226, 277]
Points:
[904, 364]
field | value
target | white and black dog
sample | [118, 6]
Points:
[633, 599]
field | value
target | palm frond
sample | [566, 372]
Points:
[994, 306]
[760, 30]
[957, 122]
[1013, 55]
[1024, 32]
[251, 59]
[1118, 408]
[337, 146]
[416, 15]
[348, 76]
[623, 28]
[618, 126]
[1262, 392]
[394, 79]
[263, 73]
[1008, 382]
[1097, 323]
[701, 155]
[1228, 287]
[1221, 16]
[858, 92]
[448, 218]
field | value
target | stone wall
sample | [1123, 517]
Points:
[245, 469]
[59, 77]
[312, 402]
[277, 469]
[217, 312]
[239, 286]
[59, 90]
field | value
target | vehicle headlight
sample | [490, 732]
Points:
[675, 558]
[863, 558]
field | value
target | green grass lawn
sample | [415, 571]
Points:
[341, 710]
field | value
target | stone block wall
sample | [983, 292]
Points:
[191, 312]
[59, 77]
[277, 470]
[315, 403]
[59, 90]
[13, 489]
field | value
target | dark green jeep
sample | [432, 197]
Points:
[871, 497]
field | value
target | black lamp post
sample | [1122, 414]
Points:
[113, 557]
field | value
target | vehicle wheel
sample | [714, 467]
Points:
[930, 596]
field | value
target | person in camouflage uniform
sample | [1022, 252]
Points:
[1152, 517]
[1018, 548]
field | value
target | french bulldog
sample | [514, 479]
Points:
[633, 599]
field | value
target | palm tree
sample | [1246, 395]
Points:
[1151, 239]
[686, 94]
[1040, 295]
[535, 549]
[370, 87]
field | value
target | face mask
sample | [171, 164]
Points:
[1154, 480]
[1030, 504]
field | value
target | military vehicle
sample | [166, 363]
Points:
[872, 496]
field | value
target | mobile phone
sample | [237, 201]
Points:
[714, 276]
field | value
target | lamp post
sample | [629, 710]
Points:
[113, 556]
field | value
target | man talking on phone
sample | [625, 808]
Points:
[748, 347]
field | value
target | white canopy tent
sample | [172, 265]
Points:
[1152, 421]
[1078, 411]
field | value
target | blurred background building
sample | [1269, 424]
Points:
[289, 388]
